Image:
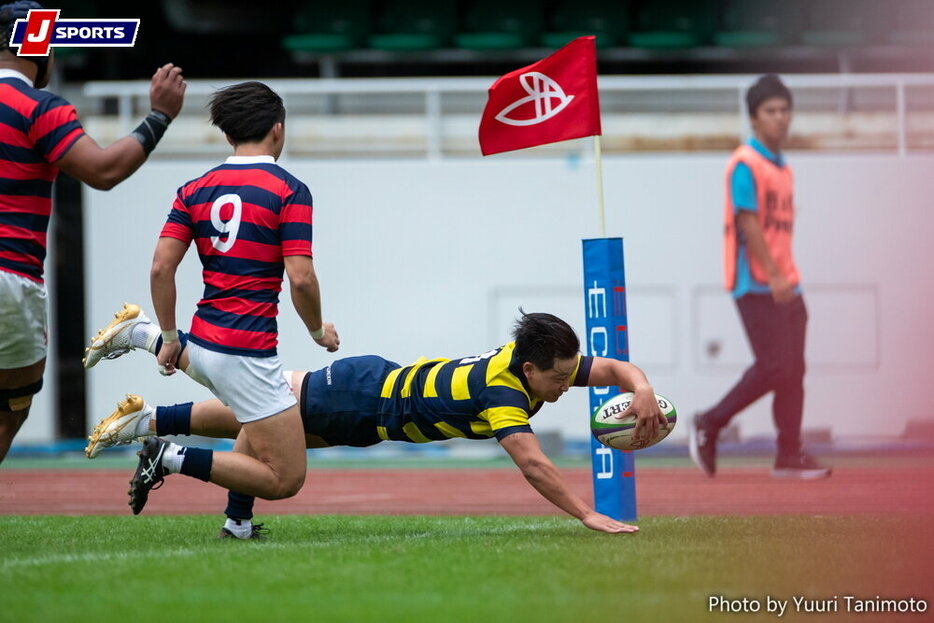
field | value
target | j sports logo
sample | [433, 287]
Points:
[42, 30]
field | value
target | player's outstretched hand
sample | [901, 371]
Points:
[167, 91]
[602, 523]
[330, 339]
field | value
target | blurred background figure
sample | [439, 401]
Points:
[760, 272]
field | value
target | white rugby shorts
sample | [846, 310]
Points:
[253, 387]
[23, 321]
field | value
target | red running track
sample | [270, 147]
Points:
[673, 491]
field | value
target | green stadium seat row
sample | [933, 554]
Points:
[419, 25]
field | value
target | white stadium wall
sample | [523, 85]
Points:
[433, 259]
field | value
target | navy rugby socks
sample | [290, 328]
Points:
[239, 506]
[174, 419]
[196, 462]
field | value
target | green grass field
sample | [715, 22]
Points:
[354, 568]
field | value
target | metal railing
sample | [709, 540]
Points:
[128, 93]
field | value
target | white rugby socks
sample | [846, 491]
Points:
[173, 457]
[144, 335]
[240, 528]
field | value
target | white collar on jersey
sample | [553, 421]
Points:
[12, 73]
[250, 160]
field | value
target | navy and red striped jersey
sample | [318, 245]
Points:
[244, 217]
[36, 129]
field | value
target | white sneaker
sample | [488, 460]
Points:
[114, 339]
[800, 466]
[119, 428]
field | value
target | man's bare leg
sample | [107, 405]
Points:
[15, 410]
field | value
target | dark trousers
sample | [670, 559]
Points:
[776, 333]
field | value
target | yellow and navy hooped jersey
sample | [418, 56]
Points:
[474, 397]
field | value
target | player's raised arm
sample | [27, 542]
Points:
[105, 167]
[542, 474]
[612, 372]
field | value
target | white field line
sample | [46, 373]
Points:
[96, 557]
[99, 557]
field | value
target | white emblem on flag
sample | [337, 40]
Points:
[542, 93]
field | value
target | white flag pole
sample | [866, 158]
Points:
[598, 164]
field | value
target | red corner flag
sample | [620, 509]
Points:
[555, 99]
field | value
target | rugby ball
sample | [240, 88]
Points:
[617, 433]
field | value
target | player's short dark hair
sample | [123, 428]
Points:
[769, 85]
[246, 112]
[542, 338]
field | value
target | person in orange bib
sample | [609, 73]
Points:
[760, 272]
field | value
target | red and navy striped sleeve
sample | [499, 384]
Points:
[295, 223]
[178, 224]
[55, 128]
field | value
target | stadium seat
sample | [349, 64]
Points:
[414, 25]
[330, 27]
[606, 19]
[672, 25]
[497, 25]
[753, 23]
[912, 22]
[838, 23]
[223, 17]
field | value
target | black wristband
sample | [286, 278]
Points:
[151, 130]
